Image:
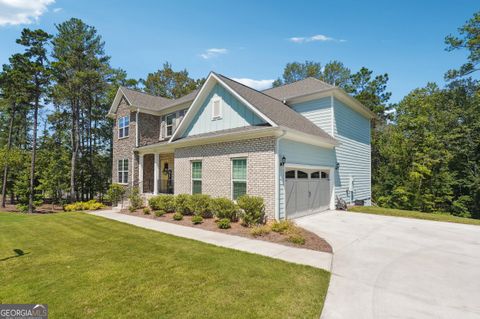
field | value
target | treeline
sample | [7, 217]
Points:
[62, 86]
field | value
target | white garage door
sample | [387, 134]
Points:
[307, 192]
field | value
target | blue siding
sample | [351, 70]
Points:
[300, 153]
[318, 111]
[234, 114]
[353, 154]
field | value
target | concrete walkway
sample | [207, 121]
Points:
[301, 256]
[390, 267]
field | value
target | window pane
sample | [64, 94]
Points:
[170, 118]
[239, 169]
[197, 187]
[324, 175]
[196, 170]
[301, 174]
[290, 174]
[125, 131]
[239, 189]
[169, 130]
[126, 120]
[120, 122]
[125, 165]
[315, 175]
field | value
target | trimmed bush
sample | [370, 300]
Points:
[223, 223]
[201, 205]
[131, 209]
[296, 239]
[224, 208]
[159, 213]
[282, 226]
[115, 193]
[146, 211]
[183, 204]
[136, 201]
[162, 202]
[253, 210]
[177, 216]
[197, 219]
[78, 206]
[262, 230]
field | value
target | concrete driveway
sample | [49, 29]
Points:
[390, 267]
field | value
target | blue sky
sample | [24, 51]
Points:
[253, 39]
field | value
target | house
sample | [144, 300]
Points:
[299, 146]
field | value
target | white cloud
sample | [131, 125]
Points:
[14, 12]
[314, 38]
[56, 10]
[255, 84]
[213, 52]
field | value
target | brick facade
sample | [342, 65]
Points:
[217, 168]
[149, 129]
[123, 148]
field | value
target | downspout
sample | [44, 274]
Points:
[277, 175]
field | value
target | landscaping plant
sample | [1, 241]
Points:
[183, 204]
[253, 210]
[159, 213]
[197, 219]
[146, 211]
[115, 193]
[260, 230]
[224, 208]
[162, 202]
[223, 223]
[136, 201]
[79, 206]
[201, 205]
[177, 216]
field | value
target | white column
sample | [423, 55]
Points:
[332, 188]
[140, 173]
[156, 173]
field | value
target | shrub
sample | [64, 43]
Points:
[223, 223]
[183, 204]
[135, 199]
[177, 216]
[77, 206]
[224, 208]
[253, 210]
[262, 230]
[159, 213]
[162, 202]
[201, 205]
[146, 211]
[131, 209]
[296, 239]
[197, 219]
[115, 193]
[282, 226]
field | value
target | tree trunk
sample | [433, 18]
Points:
[9, 146]
[31, 208]
[74, 141]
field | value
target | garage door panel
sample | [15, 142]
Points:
[291, 196]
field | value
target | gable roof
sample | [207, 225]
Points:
[281, 114]
[298, 88]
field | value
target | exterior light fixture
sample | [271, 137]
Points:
[337, 166]
[282, 162]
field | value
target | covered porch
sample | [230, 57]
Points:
[155, 171]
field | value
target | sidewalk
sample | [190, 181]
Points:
[301, 256]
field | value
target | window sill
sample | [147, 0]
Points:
[122, 138]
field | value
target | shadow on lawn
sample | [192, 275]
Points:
[18, 253]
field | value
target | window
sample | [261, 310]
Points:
[301, 174]
[217, 109]
[315, 175]
[123, 124]
[123, 171]
[239, 177]
[196, 177]
[324, 175]
[290, 174]
[170, 119]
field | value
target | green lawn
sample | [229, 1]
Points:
[87, 266]
[414, 214]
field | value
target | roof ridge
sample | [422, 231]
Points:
[308, 77]
[146, 93]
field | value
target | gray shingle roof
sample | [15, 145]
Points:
[281, 114]
[302, 87]
[153, 102]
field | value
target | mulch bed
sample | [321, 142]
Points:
[42, 209]
[312, 241]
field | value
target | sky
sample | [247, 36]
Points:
[253, 40]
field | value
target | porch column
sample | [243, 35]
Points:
[156, 172]
[140, 173]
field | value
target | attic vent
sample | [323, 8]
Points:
[217, 109]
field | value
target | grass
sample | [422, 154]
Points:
[87, 266]
[414, 214]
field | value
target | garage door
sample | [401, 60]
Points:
[306, 192]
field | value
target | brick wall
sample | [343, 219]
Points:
[149, 129]
[123, 148]
[217, 169]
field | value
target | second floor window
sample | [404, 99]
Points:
[123, 124]
[169, 123]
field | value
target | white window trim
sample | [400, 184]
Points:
[220, 108]
[174, 114]
[122, 170]
[123, 128]
[237, 180]
[195, 179]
